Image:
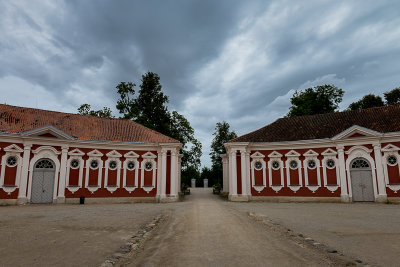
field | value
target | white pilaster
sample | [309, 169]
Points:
[174, 176]
[248, 183]
[342, 172]
[379, 173]
[24, 175]
[179, 173]
[243, 172]
[163, 173]
[63, 172]
[225, 173]
[233, 177]
[159, 167]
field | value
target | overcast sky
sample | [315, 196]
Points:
[238, 61]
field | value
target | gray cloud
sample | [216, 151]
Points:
[238, 61]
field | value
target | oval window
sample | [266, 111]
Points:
[293, 164]
[148, 166]
[130, 165]
[258, 165]
[74, 164]
[11, 161]
[94, 164]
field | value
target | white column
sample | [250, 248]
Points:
[23, 182]
[248, 174]
[178, 186]
[225, 173]
[63, 172]
[243, 172]
[159, 167]
[342, 173]
[163, 173]
[379, 173]
[174, 176]
[233, 177]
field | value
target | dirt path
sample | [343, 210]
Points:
[207, 232]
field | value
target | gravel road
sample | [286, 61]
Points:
[209, 232]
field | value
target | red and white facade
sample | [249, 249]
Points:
[358, 164]
[46, 165]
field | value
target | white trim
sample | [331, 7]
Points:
[44, 152]
[361, 152]
[112, 156]
[11, 151]
[293, 155]
[390, 150]
[94, 155]
[76, 152]
[330, 187]
[275, 156]
[312, 155]
[75, 156]
[153, 170]
[258, 157]
[48, 129]
[130, 188]
[356, 129]
[329, 152]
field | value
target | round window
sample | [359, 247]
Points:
[392, 160]
[148, 166]
[11, 161]
[311, 164]
[112, 165]
[275, 165]
[131, 165]
[258, 165]
[330, 163]
[74, 164]
[293, 164]
[94, 164]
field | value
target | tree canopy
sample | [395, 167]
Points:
[85, 109]
[150, 109]
[392, 97]
[222, 134]
[318, 100]
[368, 101]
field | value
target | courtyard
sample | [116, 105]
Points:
[203, 230]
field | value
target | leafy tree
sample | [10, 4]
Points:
[222, 135]
[318, 100]
[392, 97]
[125, 104]
[149, 108]
[85, 109]
[368, 101]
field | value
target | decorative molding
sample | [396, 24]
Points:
[44, 148]
[258, 158]
[361, 148]
[390, 148]
[95, 153]
[76, 152]
[329, 152]
[133, 158]
[48, 129]
[112, 188]
[275, 187]
[312, 155]
[356, 129]
[131, 154]
[292, 154]
[13, 149]
[149, 155]
[275, 154]
[113, 154]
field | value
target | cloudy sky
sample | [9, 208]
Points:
[238, 61]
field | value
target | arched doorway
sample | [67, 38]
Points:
[361, 180]
[43, 181]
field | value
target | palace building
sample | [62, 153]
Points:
[336, 157]
[54, 157]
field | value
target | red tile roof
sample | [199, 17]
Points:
[381, 119]
[19, 119]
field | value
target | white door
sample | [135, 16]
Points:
[43, 182]
[361, 180]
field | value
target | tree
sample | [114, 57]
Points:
[149, 108]
[318, 100]
[392, 97]
[368, 101]
[222, 135]
[85, 109]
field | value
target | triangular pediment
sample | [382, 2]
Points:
[13, 148]
[131, 154]
[329, 152]
[257, 155]
[310, 153]
[95, 153]
[356, 131]
[114, 154]
[48, 132]
[76, 152]
[292, 153]
[275, 155]
[390, 148]
[149, 155]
